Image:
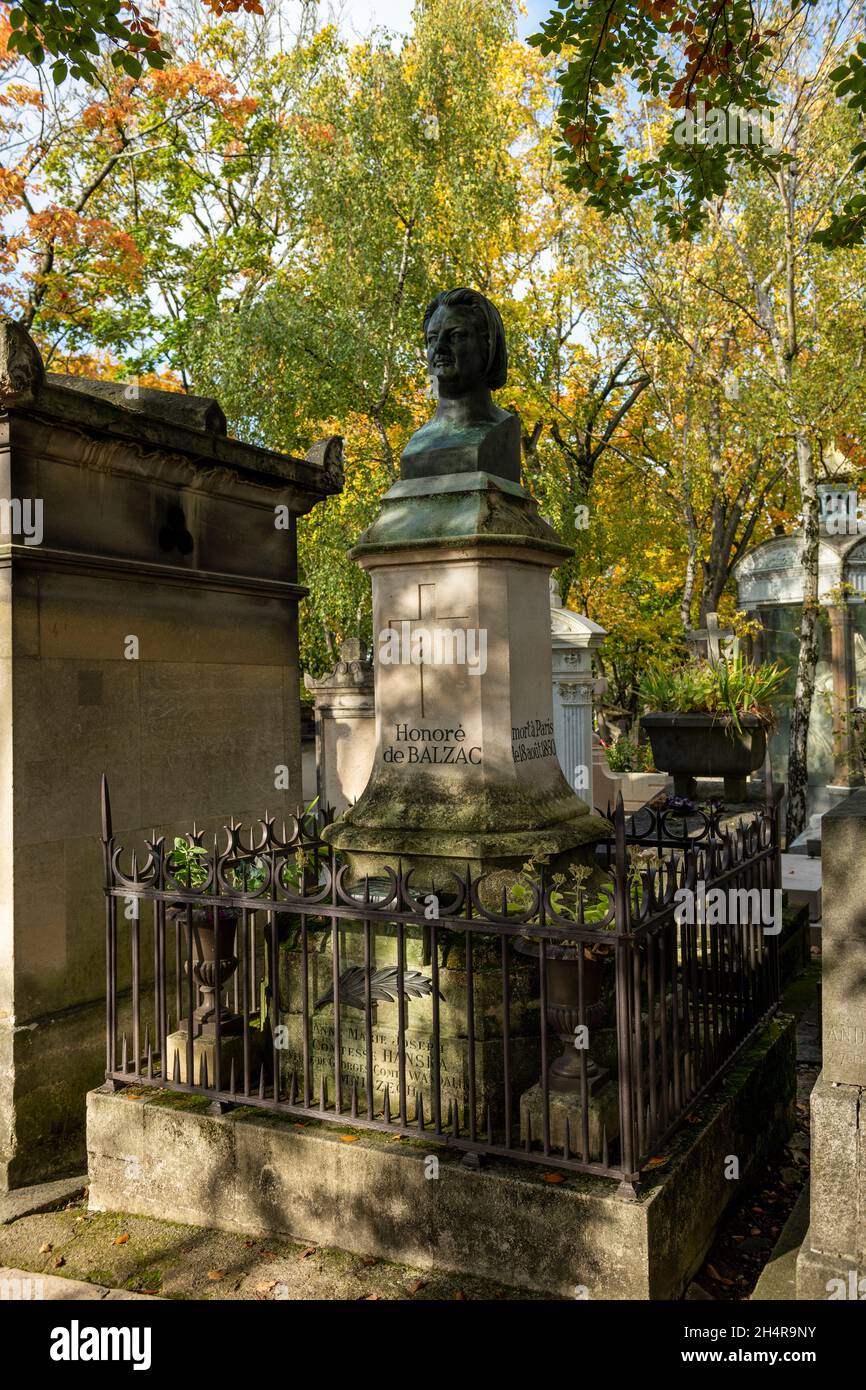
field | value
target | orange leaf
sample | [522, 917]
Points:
[216, 1274]
[349, 1138]
[310, 1250]
[121, 1240]
[553, 1177]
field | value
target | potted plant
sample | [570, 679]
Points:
[710, 719]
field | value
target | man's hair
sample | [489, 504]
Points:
[489, 321]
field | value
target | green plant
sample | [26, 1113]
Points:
[185, 864]
[625, 755]
[727, 688]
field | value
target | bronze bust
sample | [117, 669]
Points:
[468, 358]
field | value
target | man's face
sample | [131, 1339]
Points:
[456, 351]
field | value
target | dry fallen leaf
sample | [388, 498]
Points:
[658, 1162]
[310, 1250]
[121, 1240]
[59, 1263]
[46, 1247]
[553, 1177]
[349, 1138]
[372, 1298]
[419, 1284]
[461, 1295]
[216, 1274]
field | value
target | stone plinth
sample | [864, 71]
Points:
[265, 1175]
[465, 768]
[155, 527]
[835, 1245]
[566, 1110]
[204, 1058]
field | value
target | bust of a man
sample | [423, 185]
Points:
[468, 360]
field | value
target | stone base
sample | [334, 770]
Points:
[577, 1239]
[835, 1244]
[822, 1277]
[204, 1053]
[437, 853]
[565, 1107]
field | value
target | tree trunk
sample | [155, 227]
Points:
[805, 688]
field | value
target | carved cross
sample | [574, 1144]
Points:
[427, 617]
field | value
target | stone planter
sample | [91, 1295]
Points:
[702, 745]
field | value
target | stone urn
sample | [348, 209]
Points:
[702, 745]
[207, 943]
[563, 1011]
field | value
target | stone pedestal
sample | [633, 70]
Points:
[566, 1108]
[204, 1055]
[833, 1256]
[465, 770]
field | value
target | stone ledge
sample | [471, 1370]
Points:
[152, 1153]
[21, 1284]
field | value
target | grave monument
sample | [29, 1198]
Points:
[465, 768]
[465, 773]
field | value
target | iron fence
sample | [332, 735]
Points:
[253, 970]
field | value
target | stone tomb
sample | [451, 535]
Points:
[155, 525]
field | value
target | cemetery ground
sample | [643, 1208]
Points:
[164, 1259]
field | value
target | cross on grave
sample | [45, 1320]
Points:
[713, 636]
[427, 617]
